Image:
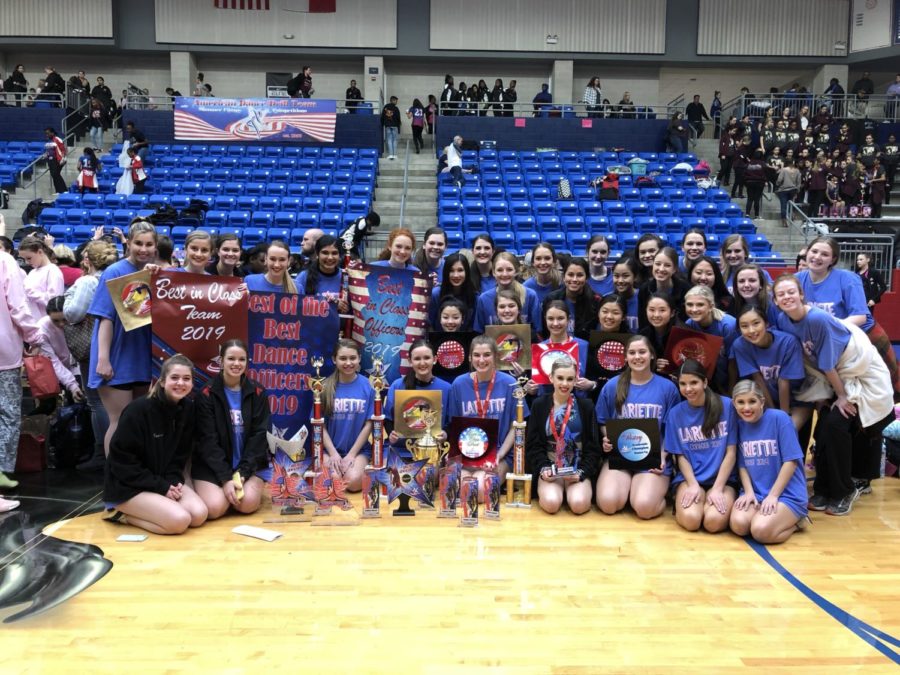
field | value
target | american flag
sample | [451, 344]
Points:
[319, 126]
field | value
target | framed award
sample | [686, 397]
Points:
[473, 442]
[513, 345]
[543, 356]
[685, 343]
[451, 353]
[417, 411]
[606, 357]
[636, 444]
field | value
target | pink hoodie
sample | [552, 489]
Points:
[16, 321]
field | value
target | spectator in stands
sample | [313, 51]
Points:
[876, 180]
[873, 284]
[754, 179]
[510, 97]
[696, 113]
[677, 134]
[462, 99]
[542, 99]
[626, 106]
[81, 82]
[256, 260]
[483, 96]
[868, 151]
[416, 114]
[55, 154]
[454, 161]
[787, 185]
[101, 91]
[199, 89]
[448, 97]
[390, 120]
[99, 123]
[17, 84]
[172, 92]
[53, 82]
[301, 86]
[592, 96]
[727, 149]
[431, 110]
[138, 175]
[16, 323]
[207, 87]
[863, 88]
[137, 140]
[473, 95]
[352, 96]
[89, 168]
[892, 108]
[890, 157]
[715, 111]
[308, 244]
[497, 97]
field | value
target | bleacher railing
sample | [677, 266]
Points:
[25, 100]
[875, 107]
[142, 102]
[565, 110]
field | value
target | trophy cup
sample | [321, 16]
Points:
[518, 483]
[427, 447]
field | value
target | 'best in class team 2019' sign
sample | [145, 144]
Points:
[249, 120]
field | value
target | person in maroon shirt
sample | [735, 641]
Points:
[816, 188]
[727, 148]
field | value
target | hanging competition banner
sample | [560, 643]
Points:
[389, 313]
[192, 315]
[254, 119]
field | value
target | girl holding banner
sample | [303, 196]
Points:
[120, 361]
[348, 403]
[276, 278]
[638, 392]
[323, 276]
[228, 256]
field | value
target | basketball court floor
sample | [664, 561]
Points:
[532, 593]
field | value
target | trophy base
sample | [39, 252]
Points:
[371, 513]
[403, 509]
[518, 496]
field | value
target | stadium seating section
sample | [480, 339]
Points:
[16, 156]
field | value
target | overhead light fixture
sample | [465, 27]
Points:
[840, 45]
[288, 36]
[552, 39]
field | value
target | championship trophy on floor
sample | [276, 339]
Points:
[427, 447]
[518, 483]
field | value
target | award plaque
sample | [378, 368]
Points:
[449, 489]
[491, 496]
[473, 441]
[451, 353]
[513, 345]
[289, 489]
[636, 444]
[468, 498]
[543, 356]
[685, 343]
[606, 357]
[416, 412]
[402, 477]
[131, 296]
[373, 482]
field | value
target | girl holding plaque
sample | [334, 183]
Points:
[506, 269]
[420, 377]
[323, 276]
[561, 444]
[228, 256]
[398, 251]
[704, 316]
[701, 432]
[600, 280]
[486, 393]
[545, 277]
[638, 392]
[198, 247]
[276, 278]
[456, 282]
[579, 296]
[556, 323]
[120, 361]
[624, 276]
[149, 451]
[348, 403]
[232, 421]
[772, 503]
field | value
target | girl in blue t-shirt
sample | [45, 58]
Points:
[348, 403]
[704, 316]
[772, 504]
[483, 248]
[276, 278]
[506, 269]
[487, 393]
[545, 277]
[637, 393]
[398, 251]
[120, 361]
[751, 287]
[701, 432]
[420, 377]
[772, 359]
[600, 278]
[198, 247]
[323, 276]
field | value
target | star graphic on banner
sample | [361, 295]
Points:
[401, 478]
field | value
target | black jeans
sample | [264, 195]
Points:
[844, 451]
[724, 175]
[754, 195]
[59, 183]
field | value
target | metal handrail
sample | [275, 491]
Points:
[875, 107]
[142, 102]
[572, 109]
[677, 102]
[10, 97]
[805, 230]
[405, 185]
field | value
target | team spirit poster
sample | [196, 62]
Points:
[254, 119]
[285, 332]
[389, 313]
[192, 315]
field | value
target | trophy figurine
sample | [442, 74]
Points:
[427, 447]
[518, 483]
[377, 380]
[317, 421]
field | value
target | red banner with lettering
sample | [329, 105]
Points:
[192, 315]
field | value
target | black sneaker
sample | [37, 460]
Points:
[843, 506]
[863, 486]
[117, 517]
[818, 503]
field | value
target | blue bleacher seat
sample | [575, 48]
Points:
[67, 200]
[646, 224]
[296, 189]
[334, 205]
[100, 217]
[547, 224]
[721, 226]
[318, 190]
[354, 205]
[313, 204]
[499, 223]
[611, 208]
[526, 240]
[637, 208]
[91, 201]
[268, 203]
[597, 224]
[731, 211]
[224, 202]
[82, 233]
[557, 238]
[122, 217]
[216, 219]
[76, 216]
[246, 203]
[62, 234]
[671, 224]
[255, 188]
[308, 219]
[759, 245]
[524, 223]
[239, 219]
[450, 221]
[179, 233]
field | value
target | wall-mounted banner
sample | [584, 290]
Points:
[285, 331]
[254, 119]
[192, 315]
[389, 313]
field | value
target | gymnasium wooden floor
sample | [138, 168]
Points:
[530, 594]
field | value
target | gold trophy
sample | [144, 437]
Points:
[377, 381]
[427, 447]
[518, 483]
[317, 421]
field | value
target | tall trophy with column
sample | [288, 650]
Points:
[518, 483]
[377, 381]
[318, 420]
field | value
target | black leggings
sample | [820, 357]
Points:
[816, 197]
[845, 451]
[417, 138]
[754, 196]
[724, 176]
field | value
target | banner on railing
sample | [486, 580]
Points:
[254, 119]
[285, 332]
[192, 315]
[389, 312]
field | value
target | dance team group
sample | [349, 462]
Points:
[733, 443]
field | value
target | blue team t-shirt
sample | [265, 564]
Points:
[684, 436]
[729, 282]
[329, 286]
[631, 313]
[236, 415]
[354, 405]
[486, 313]
[437, 384]
[840, 294]
[501, 406]
[783, 359]
[540, 291]
[602, 286]
[259, 284]
[763, 448]
[129, 352]
[822, 337]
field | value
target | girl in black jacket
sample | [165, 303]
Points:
[148, 454]
[561, 433]
[232, 421]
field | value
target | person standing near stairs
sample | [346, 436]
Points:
[55, 153]
[417, 114]
[390, 120]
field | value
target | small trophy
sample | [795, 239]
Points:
[491, 496]
[518, 483]
[428, 448]
[449, 489]
[373, 482]
[468, 497]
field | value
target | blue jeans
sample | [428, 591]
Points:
[99, 418]
[784, 198]
[390, 134]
